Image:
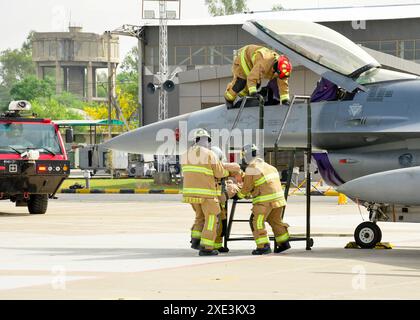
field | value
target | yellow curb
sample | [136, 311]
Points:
[171, 191]
[141, 191]
[85, 191]
[112, 190]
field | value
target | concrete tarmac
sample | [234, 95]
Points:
[137, 247]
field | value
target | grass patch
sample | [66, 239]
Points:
[119, 184]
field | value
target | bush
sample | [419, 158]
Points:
[51, 108]
[32, 88]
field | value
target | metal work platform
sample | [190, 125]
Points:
[308, 150]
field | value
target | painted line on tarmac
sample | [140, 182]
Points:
[120, 191]
[330, 193]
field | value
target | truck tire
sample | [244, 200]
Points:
[38, 204]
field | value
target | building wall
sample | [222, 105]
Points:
[399, 37]
[185, 42]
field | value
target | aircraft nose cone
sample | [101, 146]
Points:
[393, 187]
[146, 140]
[343, 188]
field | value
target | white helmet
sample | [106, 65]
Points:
[249, 152]
[199, 133]
[219, 153]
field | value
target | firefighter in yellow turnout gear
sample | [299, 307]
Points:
[262, 183]
[201, 168]
[254, 63]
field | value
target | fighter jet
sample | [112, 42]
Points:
[365, 128]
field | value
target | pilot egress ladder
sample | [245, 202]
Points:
[308, 150]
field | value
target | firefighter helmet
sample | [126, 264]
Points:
[199, 133]
[283, 67]
[249, 152]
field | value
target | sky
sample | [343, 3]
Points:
[19, 17]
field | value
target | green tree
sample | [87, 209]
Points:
[131, 61]
[128, 78]
[102, 84]
[128, 86]
[277, 7]
[52, 108]
[4, 98]
[16, 64]
[226, 7]
[31, 88]
[69, 100]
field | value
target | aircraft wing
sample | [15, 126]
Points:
[320, 49]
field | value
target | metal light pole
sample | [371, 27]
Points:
[163, 59]
[163, 76]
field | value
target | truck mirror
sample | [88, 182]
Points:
[69, 136]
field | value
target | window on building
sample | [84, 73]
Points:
[152, 56]
[417, 50]
[374, 45]
[389, 47]
[215, 55]
[199, 55]
[406, 49]
[183, 55]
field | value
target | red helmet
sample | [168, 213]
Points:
[284, 67]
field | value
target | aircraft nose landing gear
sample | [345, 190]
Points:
[368, 234]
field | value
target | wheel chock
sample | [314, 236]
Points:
[384, 245]
[379, 245]
[351, 245]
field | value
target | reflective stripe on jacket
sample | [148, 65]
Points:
[201, 168]
[262, 183]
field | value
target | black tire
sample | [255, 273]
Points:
[38, 204]
[367, 235]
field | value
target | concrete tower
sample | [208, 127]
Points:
[74, 58]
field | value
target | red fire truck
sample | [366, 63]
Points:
[33, 160]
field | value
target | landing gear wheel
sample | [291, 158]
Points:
[367, 235]
[38, 204]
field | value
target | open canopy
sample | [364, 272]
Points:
[320, 49]
[321, 45]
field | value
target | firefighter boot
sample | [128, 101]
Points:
[229, 104]
[195, 244]
[223, 250]
[260, 251]
[282, 247]
[204, 252]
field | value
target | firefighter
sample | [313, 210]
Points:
[253, 64]
[201, 168]
[226, 185]
[262, 183]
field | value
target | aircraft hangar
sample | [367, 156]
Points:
[200, 57]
